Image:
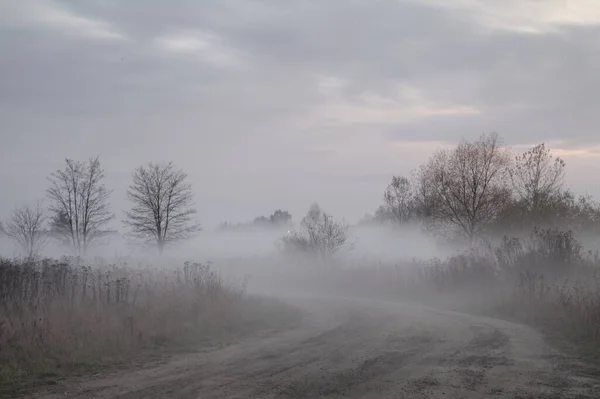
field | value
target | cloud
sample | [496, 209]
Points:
[254, 97]
[526, 16]
[201, 45]
[564, 149]
[406, 103]
[52, 15]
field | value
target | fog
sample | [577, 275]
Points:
[253, 255]
[316, 306]
[381, 243]
[401, 189]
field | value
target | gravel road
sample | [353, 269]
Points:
[349, 348]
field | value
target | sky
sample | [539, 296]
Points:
[270, 104]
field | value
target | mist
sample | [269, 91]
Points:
[292, 200]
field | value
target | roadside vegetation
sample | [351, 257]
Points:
[59, 318]
[546, 280]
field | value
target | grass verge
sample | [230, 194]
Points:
[60, 319]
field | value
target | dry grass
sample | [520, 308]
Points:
[62, 315]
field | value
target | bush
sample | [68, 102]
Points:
[320, 236]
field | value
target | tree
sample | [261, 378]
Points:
[399, 199]
[80, 206]
[60, 226]
[381, 215]
[162, 205]
[539, 199]
[261, 221]
[25, 226]
[280, 218]
[537, 176]
[465, 189]
[319, 235]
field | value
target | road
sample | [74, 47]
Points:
[361, 349]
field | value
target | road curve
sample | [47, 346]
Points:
[349, 348]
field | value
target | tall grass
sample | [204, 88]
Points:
[60, 313]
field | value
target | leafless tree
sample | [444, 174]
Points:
[319, 235]
[465, 189]
[25, 226]
[537, 176]
[382, 215]
[399, 199]
[80, 206]
[162, 211]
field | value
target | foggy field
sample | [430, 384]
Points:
[209, 330]
[478, 277]
[266, 199]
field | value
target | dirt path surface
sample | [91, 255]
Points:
[362, 349]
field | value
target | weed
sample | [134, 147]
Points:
[66, 316]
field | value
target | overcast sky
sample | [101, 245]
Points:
[277, 103]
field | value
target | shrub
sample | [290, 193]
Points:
[319, 235]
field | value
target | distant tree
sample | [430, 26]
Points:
[399, 200]
[280, 218]
[563, 210]
[539, 200]
[537, 176]
[223, 226]
[25, 226]
[261, 221]
[277, 220]
[465, 189]
[60, 226]
[319, 235]
[80, 206]
[382, 215]
[162, 211]
[585, 215]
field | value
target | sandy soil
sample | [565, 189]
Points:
[361, 349]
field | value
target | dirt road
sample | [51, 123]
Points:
[362, 349]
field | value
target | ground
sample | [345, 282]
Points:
[350, 348]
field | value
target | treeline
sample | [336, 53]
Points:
[279, 219]
[79, 210]
[481, 189]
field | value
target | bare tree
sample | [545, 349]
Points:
[465, 189]
[381, 215]
[399, 199]
[80, 206]
[319, 235]
[537, 176]
[162, 205]
[25, 226]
